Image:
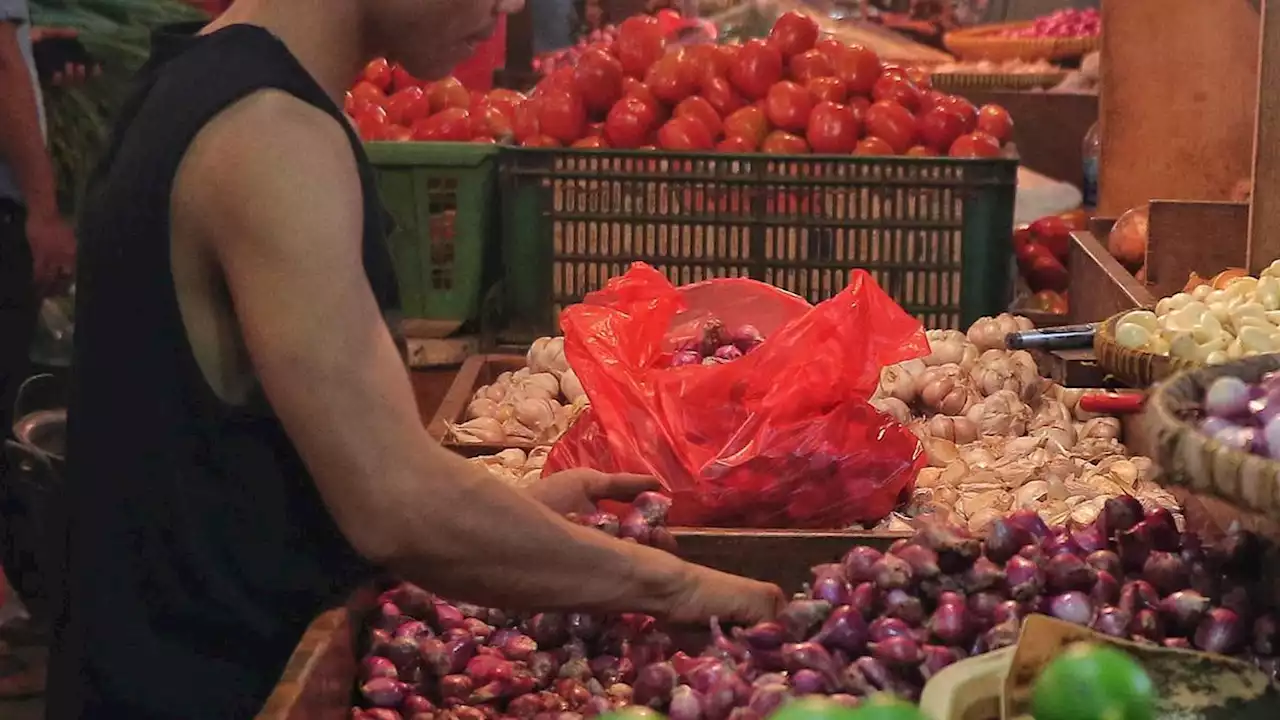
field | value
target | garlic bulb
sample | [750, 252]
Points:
[541, 385]
[537, 414]
[958, 430]
[546, 354]
[571, 387]
[481, 407]
[894, 408]
[945, 394]
[478, 431]
[1002, 413]
[946, 347]
[989, 333]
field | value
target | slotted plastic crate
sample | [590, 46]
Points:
[934, 232]
[442, 199]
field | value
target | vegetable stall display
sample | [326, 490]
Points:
[792, 93]
[867, 624]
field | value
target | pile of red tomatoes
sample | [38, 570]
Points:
[791, 93]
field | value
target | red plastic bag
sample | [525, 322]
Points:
[782, 437]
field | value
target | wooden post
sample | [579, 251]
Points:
[1264, 212]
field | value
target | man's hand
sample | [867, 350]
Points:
[579, 490]
[72, 73]
[53, 248]
[708, 593]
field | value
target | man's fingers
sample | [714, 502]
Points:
[623, 486]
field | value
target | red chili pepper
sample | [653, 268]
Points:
[1113, 403]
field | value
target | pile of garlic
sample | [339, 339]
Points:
[999, 437]
[514, 466]
[535, 404]
[1208, 325]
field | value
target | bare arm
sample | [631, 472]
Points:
[272, 188]
[21, 142]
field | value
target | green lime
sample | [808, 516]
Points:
[814, 708]
[1093, 682]
[887, 707]
[633, 712]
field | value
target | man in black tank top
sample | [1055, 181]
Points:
[244, 446]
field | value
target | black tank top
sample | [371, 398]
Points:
[198, 546]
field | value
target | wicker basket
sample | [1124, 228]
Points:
[988, 42]
[1195, 460]
[1134, 368]
[959, 81]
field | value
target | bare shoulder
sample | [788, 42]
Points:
[268, 164]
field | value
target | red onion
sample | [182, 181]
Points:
[1064, 573]
[414, 629]
[898, 651]
[923, 561]
[800, 617]
[1000, 636]
[402, 652]
[832, 588]
[865, 599]
[904, 605]
[809, 682]
[653, 507]
[1024, 577]
[379, 714]
[1089, 538]
[767, 698]
[635, 527]
[414, 703]
[859, 562]
[544, 667]
[455, 687]
[1112, 621]
[375, 666]
[478, 628]
[1163, 530]
[982, 575]
[487, 668]
[810, 655]
[1237, 600]
[518, 647]
[685, 704]
[951, 598]
[384, 692]
[875, 672]
[891, 572]
[654, 685]
[1028, 521]
[983, 605]
[576, 668]
[1074, 607]
[1177, 643]
[1119, 514]
[1146, 625]
[742, 713]
[1061, 543]
[662, 539]
[1136, 595]
[936, 658]
[950, 625]
[1166, 572]
[1134, 545]
[598, 705]
[1241, 554]
[844, 630]
[1220, 632]
[719, 701]
[883, 628]
[956, 549]
[583, 626]
[1106, 589]
[1009, 610]
[1185, 608]
[1105, 561]
[447, 616]
[1004, 540]
[547, 629]
[1264, 635]
[767, 635]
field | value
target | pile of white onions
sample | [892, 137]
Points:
[999, 437]
[1210, 325]
[535, 404]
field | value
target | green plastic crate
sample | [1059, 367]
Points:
[442, 200]
[934, 232]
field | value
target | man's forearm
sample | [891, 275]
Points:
[21, 141]
[472, 537]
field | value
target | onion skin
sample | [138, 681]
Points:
[1074, 607]
[898, 651]
[1105, 561]
[1163, 530]
[800, 617]
[1137, 595]
[865, 599]
[768, 698]
[950, 625]
[654, 685]
[1031, 523]
[843, 630]
[859, 563]
[384, 692]
[1025, 579]
[1004, 540]
[883, 628]
[1106, 589]
[1185, 609]
[1118, 515]
[766, 635]
[904, 605]
[1111, 621]
[892, 572]
[1220, 632]
[983, 574]
[1065, 573]
[1146, 625]
[923, 561]
[956, 549]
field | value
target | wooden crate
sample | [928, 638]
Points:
[319, 680]
[477, 371]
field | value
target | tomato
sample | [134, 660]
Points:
[505, 100]
[629, 122]
[961, 107]
[672, 78]
[920, 151]
[448, 93]
[720, 93]
[793, 33]
[709, 60]
[920, 77]
[595, 129]
[698, 107]
[524, 123]
[859, 105]
[897, 89]
[597, 78]
[872, 145]
[758, 67]
[397, 133]
[451, 124]
[407, 106]
[939, 128]
[685, 133]
[371, 124]
[832, 129]
[975, 145]
[736, 144]
[1054, 233]
[748, 122]
[559, 79]
[1048, 301]
[353, 107]
[562, 115]
[828, 89]
[810, 64]
[893, 124]
[366, 92]
[401, 79]
[788, 106]
[595, 143]
[542, 141]
[640, 43]
[378, 73]
[995, 121]
[895, 69]
[489, 120]
[781, 142]
[857, 66]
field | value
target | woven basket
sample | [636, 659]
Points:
[1195, 460]
[989, 43]
[953, 82]
[1134, 368]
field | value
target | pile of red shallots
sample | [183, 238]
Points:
[874, 622]
[716, 344]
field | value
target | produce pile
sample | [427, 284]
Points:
[1243, 415]
[1041, 249]
[994, 67]
[1210, 325]
[549, 62]
[514, 466]
[535, 404]
[714, 344]
[792, 93]
[1065, 23]
[873, 622]
[999, 437]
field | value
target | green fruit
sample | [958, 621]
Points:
[634, 712]
[887, 707]
[1093, 682]
[814, 708]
